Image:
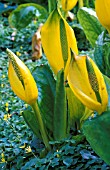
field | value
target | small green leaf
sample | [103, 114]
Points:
[89, 22]
[68, 161]
[97, 132]
[24, 14]
[5, 9]
[54, 162]
[60, 108]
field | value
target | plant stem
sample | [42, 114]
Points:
[65, 14]
[93, 3]
[81, 3]
[41, 125]
[51, 5]
[86, 2]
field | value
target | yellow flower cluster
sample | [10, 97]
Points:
[18, 53]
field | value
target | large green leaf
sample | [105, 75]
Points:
[46, 93]
[106, 53]
[31, 121]
[24, 14]
[60, 109]
[89, 22]
[97, 132]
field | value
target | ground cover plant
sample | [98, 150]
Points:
[55, 133]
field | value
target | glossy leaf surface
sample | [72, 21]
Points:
[24, 14]
[88, 20]
[97, 132]
[46, 93]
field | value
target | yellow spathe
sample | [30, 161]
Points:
[51, 40]
[21, 79]
[102, 8]
[79, 82]
[68, 4]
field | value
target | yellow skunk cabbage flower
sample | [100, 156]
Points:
[102, 8]
[21, 80]
[57, 38]
[87, 83]
[68, 4]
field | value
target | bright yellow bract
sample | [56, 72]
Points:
[79, 81]
[21, 80]
[102, 8]
[68, 4]
[57, 38]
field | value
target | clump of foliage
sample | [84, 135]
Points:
[20, 149]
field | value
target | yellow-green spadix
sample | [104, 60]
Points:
[21, 79]
[68, 4]
[57, 38]
[102, 8]
[87, 83]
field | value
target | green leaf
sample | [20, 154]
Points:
[46, 93]
[60, 109]
[107, 82]
[31, 121]
[97, 132]
[24, 14]
[68, 161]
[89, 22]
[102, 54]
[4, 8]
[54, 162]
[98, 52]
[106, 56]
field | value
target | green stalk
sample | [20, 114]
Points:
[51, 5]
[41, 125]
[93, 3]
[60, 109]
[81, 3]
[86, 2]
[65, 14]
